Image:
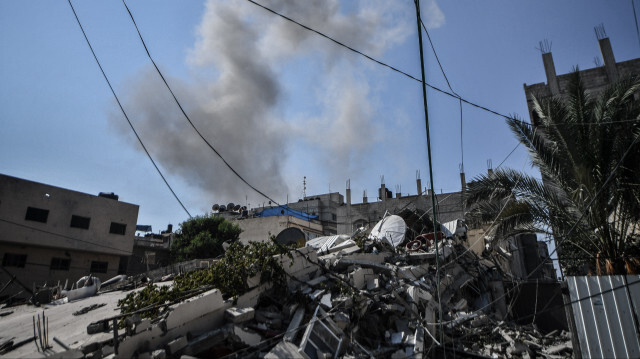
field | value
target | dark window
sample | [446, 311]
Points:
[60, 263]
[80, 222]
[118, 228]
[334, 217]
[37, 214]
[99, 267]
[14, 260]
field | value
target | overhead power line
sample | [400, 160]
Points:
[63, 236]
[378, 61]
[124, 113]
[185, 113]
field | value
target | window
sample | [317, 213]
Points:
[334, 217]
[60, 263]
[80, 222]
[118, 228]
[14, 260]
[99, 267]
[37, 214]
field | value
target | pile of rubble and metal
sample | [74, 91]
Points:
[348, 296]
[374, 294]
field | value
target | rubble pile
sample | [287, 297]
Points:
[346, 300]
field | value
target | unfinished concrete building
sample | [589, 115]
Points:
[594, 80]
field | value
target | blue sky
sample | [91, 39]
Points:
[278, 102]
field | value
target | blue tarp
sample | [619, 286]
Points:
[285, 211]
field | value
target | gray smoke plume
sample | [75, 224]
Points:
[245, 110]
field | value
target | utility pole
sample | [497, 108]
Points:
[433, 196]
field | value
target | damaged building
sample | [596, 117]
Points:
[381, 294]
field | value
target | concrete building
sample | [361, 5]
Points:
[351, 216]
[49, 234]
[594, 80]
[150, 252]
[283, 222]
[325, 206]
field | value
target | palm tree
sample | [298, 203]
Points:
[588, 153]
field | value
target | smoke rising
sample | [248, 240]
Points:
[253, 108]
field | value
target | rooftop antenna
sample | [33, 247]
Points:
[600, 33]
[382, 179]
[489, 164]
[417, 174]
[304, 187]
[461, 167]
[544, 46]
[349, 183]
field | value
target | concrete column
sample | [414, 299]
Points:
[364, 197]
[348, 193]
[419, 185]
[609, 59]
[550, 71]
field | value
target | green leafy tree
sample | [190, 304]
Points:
[589, 202]
[202, 237]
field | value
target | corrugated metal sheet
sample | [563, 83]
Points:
[603, 309]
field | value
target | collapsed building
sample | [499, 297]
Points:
[395, 290]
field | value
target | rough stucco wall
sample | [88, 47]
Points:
[16, 195]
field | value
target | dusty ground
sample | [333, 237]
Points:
[63, 325]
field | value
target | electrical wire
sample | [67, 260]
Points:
[185, 113]
[378, 61]
[63, 236]
[125, 114]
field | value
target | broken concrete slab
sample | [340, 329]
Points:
[239, 315]
[292, 329]
[358, 278]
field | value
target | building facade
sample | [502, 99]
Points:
[50, 234]
[594, 80]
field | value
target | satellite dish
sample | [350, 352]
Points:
[237, 207]
[390, 229]
[215, 207]
[230, 206]
[223, 208]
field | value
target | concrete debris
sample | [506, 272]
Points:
[342, 300]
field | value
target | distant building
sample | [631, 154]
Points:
[351, 216]
[150, 251]
[284, 223]
[49, 234]
[594, 80]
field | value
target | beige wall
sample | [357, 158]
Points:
[260, 228]
[16, 195]
[38, 270]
